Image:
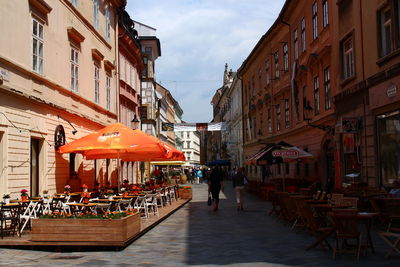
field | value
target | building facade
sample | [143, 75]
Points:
[58, 83]
[191, 148]
[287, 91]
[130, 69]
[367, 100]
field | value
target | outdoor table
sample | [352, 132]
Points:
[81, 207]
[64, 194]
[36, 198]
[10, 205]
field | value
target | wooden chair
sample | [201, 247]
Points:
[9, 219]
[346, 228]
[320, 233]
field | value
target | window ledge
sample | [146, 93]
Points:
[348, 80]
[388, 57]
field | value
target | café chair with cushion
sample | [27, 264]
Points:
[392, 238]
[346, 228]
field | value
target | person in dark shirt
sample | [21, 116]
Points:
[239, 180]
[215, 185]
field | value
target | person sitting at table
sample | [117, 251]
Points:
[395, 191]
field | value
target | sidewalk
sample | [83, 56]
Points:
[197, 236]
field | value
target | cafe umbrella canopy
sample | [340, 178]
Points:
[279, 153]
[120, 142]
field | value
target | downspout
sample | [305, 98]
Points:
[364, 99]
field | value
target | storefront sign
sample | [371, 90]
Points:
[286, 153]
[349, 125]
[391, 91]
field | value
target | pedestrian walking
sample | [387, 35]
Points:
[239, 180]
[215, 185]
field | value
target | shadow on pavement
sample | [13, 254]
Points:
[252, 237]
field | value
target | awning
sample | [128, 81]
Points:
[179, 163]
[253, 159]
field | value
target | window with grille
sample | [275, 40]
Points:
[74, 63]
[276, 61]
[37, 46]
[285, 57]
[315, 20]
[96, 84]
[327, 89]
[316, 95]
[303, 35]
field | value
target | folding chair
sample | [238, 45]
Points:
[29, 213]
[393, 240]
[102, 208]
[151, 202]
[124, 204]
[141, 205]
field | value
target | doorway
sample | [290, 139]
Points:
[329, 181]
[36, 145]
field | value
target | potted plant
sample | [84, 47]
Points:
[6, 198]
[67, 189]
[45, 193]
[24, 194]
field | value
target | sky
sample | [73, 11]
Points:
[197, 38]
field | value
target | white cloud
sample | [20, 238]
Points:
[197, 38]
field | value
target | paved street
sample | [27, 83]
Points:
[196, 236]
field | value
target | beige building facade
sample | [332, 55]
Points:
[57, 71]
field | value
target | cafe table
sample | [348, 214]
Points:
[81, 207]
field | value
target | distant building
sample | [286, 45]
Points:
[191, 148]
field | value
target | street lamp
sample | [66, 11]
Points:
[307, 113]
[135, 120]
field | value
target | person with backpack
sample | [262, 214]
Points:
[239, 180]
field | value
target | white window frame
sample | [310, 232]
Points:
[327, 88]
[296, 44]
[37, 43]
[74, 63]
[316, 95]
[108, 92]
[315, 19]
[303, 35]
[276, 62]
[96, 78]
[285, 57]
[325, 9]
[96, 14]
[107, 24]
[348, 58]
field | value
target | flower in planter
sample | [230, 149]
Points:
[110, 193]
[6, 195]
[123, 189]
[24, 193]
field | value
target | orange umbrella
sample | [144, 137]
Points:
[117, 141]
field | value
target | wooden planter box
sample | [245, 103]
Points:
[185, 193]
[86, 230]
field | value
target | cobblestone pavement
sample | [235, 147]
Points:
[196, 236]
